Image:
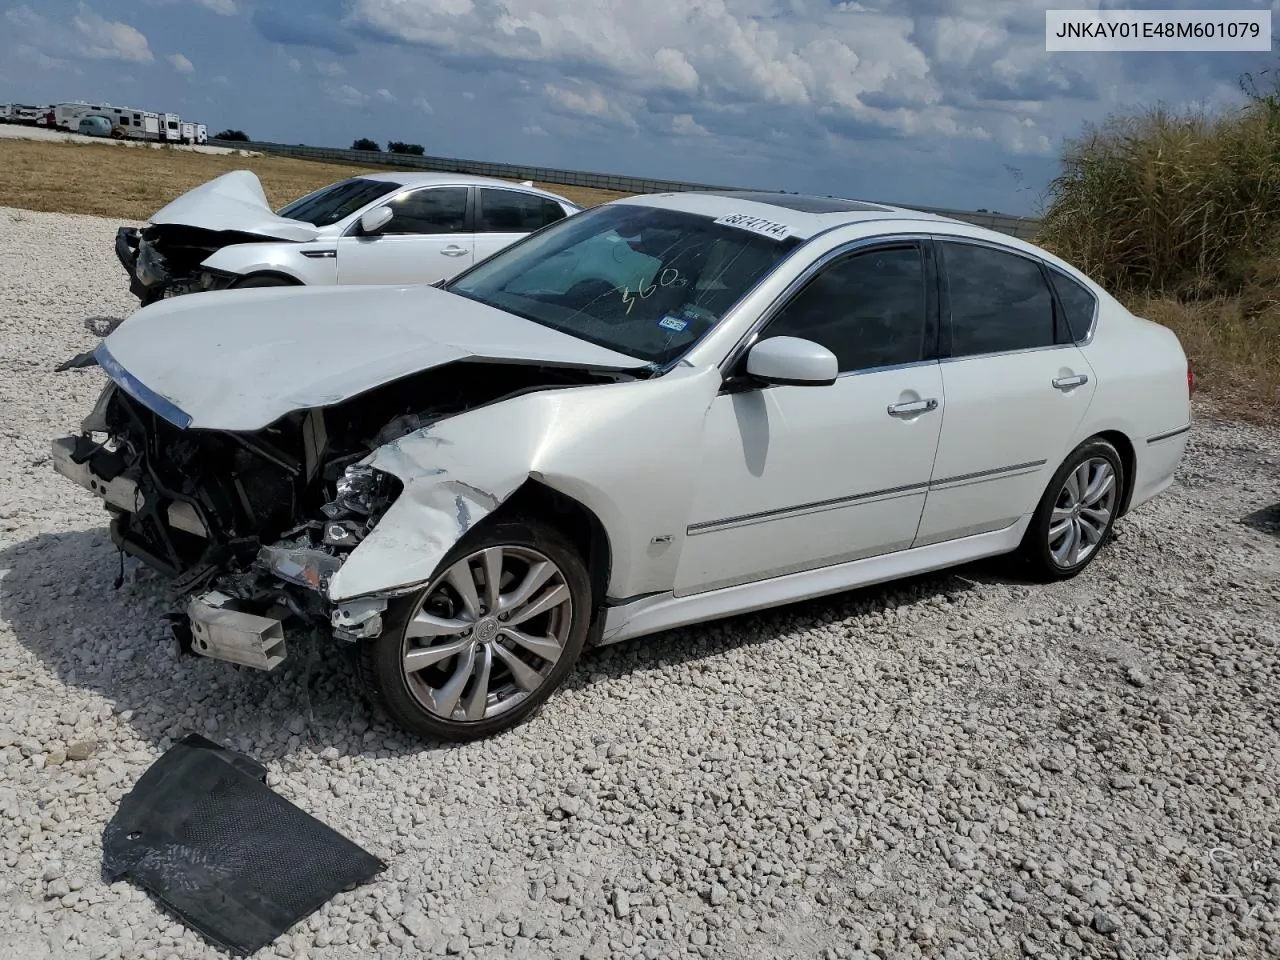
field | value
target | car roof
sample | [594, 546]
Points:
[803, 215]
[407, 179]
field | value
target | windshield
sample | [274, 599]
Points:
[337, 201]
[646, 282]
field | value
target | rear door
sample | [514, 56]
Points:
[1016, 387]
[504, 216]
[429, 238]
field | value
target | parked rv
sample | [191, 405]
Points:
[25, 113]
[194, 132]
[170, 127]
[5, 112]
[67, 115]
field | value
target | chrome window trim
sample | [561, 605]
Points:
[1044, 264]
[767, 315]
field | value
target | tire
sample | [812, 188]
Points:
[430, 701]
[1046, 548]
[263, 280]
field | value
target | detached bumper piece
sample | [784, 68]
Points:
[236, 862]
[223, 633]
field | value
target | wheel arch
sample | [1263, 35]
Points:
[1128, 459]
[574, 519]
[273, 274]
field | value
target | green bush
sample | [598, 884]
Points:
[1181, 204]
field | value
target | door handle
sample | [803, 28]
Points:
[1066, 383]
[912, 407]
[453, 250]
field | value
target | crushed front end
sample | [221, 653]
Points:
[164, 260]
[249, 527]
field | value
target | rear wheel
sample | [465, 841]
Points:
[488, 640]
[1077, 513]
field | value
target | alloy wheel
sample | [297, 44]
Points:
[487, 634]
[1083, 511]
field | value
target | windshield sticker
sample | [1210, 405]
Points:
[766, 228]
[673, 323]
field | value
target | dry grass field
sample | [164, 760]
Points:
[113, 181]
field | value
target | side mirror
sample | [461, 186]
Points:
[371, 221]
[793, 362]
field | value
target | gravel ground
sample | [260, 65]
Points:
[22, 132]
[956, 766]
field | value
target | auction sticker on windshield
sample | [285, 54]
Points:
[766, 228]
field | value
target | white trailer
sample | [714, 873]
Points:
[170, 127]
[66, 116]
[136, 124]
[6, 111]
[25, 113]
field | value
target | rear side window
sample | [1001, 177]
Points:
[510, 211]
[438, 210]
[1078, 304]
[999, 301]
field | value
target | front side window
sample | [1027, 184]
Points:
[999, 301]
[437, 210]
[337, 201]
[867, 308]
[511, 211]
[645, 282]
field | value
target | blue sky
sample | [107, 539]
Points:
[932, 102]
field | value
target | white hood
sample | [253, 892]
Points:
[241, 359]
[233, 201]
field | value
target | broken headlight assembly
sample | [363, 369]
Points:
[310, 554]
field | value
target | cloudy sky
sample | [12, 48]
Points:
[934, 102]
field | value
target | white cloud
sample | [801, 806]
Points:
[683, 124]
[346, 95]
[591, 102]
[468, 95]
[330, 69]
[423, 104]
[103, 39]
[225, 7]
[294, 64]
[534, 130]
[382, 93]
[181, 63]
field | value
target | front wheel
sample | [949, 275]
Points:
[263, 280]
[1076, 515]
[488, 640]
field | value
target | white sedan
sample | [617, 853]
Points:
[397, 227]
[661, 411]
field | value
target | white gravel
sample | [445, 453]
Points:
[958, 766]
[11, 131]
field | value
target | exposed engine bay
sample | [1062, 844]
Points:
[261, 521]
[165, 259]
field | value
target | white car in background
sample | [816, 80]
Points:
[375, 228]
[661, 411]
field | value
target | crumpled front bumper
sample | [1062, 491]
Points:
[214, 627]
[128, 243]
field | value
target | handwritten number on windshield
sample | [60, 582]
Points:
[668, 277]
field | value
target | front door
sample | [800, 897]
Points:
[1017, 390]
[799, 477]
[427, 239]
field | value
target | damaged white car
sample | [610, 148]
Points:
[664, 410]
[400, 227]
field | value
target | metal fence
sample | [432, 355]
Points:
[1024, 227]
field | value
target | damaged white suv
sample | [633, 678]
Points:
[660, 411]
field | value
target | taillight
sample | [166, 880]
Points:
[1191, 380]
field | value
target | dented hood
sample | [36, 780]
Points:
[241, 359]
[233, 201]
